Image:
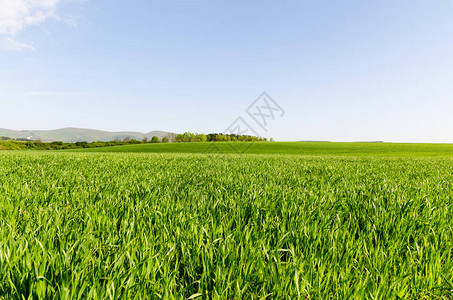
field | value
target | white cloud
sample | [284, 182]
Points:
[15, 15]
[9, 44]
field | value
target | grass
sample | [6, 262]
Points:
[293, 148]
[226, 226]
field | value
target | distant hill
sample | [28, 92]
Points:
[70, 134]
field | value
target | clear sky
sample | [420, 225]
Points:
[341, 70]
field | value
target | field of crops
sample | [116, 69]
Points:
[224, 226]
[293, 148]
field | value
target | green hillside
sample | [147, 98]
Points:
[71, 135]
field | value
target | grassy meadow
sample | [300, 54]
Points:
[183, 221]
[293, 148]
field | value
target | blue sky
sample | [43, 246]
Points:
[341, 70]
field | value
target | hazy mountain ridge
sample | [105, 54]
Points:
[71, 135]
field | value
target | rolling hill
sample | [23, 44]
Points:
[78, 134]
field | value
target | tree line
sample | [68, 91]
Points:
[189, 137]
[7, 143]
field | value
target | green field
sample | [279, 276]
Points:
[294, 148]
[283, 221]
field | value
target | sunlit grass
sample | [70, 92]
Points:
[116, 226]
[293, 148]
